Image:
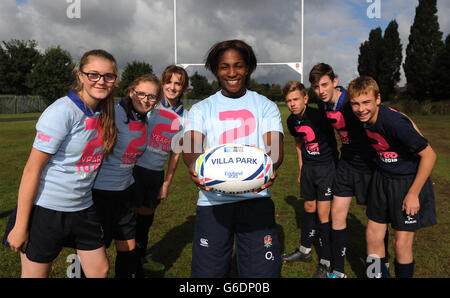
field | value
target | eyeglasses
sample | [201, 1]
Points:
[141, 95]
[95, 77]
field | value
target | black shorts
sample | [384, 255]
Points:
[252, 223]
[51, 230]
[386, 200]
[351, 181]
[147, 186]
[316, 182]
[117, 213]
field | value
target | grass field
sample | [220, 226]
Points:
[171, 235]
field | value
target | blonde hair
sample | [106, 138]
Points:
[363, 85]
[292, 86]
[143, 78]
[109, 130]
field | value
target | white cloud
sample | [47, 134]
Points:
[142, 30]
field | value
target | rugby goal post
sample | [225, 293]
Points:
[296, 66]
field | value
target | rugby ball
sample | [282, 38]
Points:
[234, 168]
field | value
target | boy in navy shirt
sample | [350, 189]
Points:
[317, 152]
[355, 167]
[401, 191]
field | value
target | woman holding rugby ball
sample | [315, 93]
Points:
[55, 207]
[248, 217]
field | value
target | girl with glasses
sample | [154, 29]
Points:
[113, 188]
[55, 206]
[165, 126]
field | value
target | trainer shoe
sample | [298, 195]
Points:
[297, 255]
[336, 274]
[151, 265]
[323, 271]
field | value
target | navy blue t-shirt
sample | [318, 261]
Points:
[396, 142]
[319, 145]
[356, 148]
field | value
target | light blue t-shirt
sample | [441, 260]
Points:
[71, 132]
[165, 129]
[241, 120]
[116, 171]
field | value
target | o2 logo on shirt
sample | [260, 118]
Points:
[308, 136]
[157, 139]
[132, 152]
[89, 162]
[338, 122]
[247, 127]
[381, 146]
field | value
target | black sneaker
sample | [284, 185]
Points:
[297, 255]
[322, 271]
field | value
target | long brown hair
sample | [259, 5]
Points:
[109, 130]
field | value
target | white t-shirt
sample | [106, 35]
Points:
[241, 120]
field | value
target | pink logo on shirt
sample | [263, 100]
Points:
[44, 138]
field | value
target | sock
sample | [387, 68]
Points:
[376, 267]
[308, 229]
[143, 224]
[339, 247]
[126, 264]
[325, 240]
[404, 270]
[386, 245]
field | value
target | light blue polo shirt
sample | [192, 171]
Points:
[71, 132]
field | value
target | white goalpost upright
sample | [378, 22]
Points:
[296, 66]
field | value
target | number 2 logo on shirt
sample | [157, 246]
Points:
[157, 139]
[338, 122]
[88, 157]
[246, 128]
[130, 154]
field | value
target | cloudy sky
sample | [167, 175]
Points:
[142, 30]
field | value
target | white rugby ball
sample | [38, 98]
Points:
[234, 168]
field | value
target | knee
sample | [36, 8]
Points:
[338, 217]
[373, 236]
[310, 206]
[324, 213]
[104, 270]
[402, 245]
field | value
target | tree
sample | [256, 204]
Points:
[441, 75]
[4, 67]
[275, 93]
[391, 60]
[381, 58]
[370, 55]
[132, 71]
[52, 75]
[17, 59]
[425, 41]
[201, 88]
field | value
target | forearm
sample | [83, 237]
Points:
[426, 164]
[298, 149]
[28, 187]
[171, 168]
[275, 148]
[192, 147]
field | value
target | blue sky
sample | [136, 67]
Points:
[142, 29]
